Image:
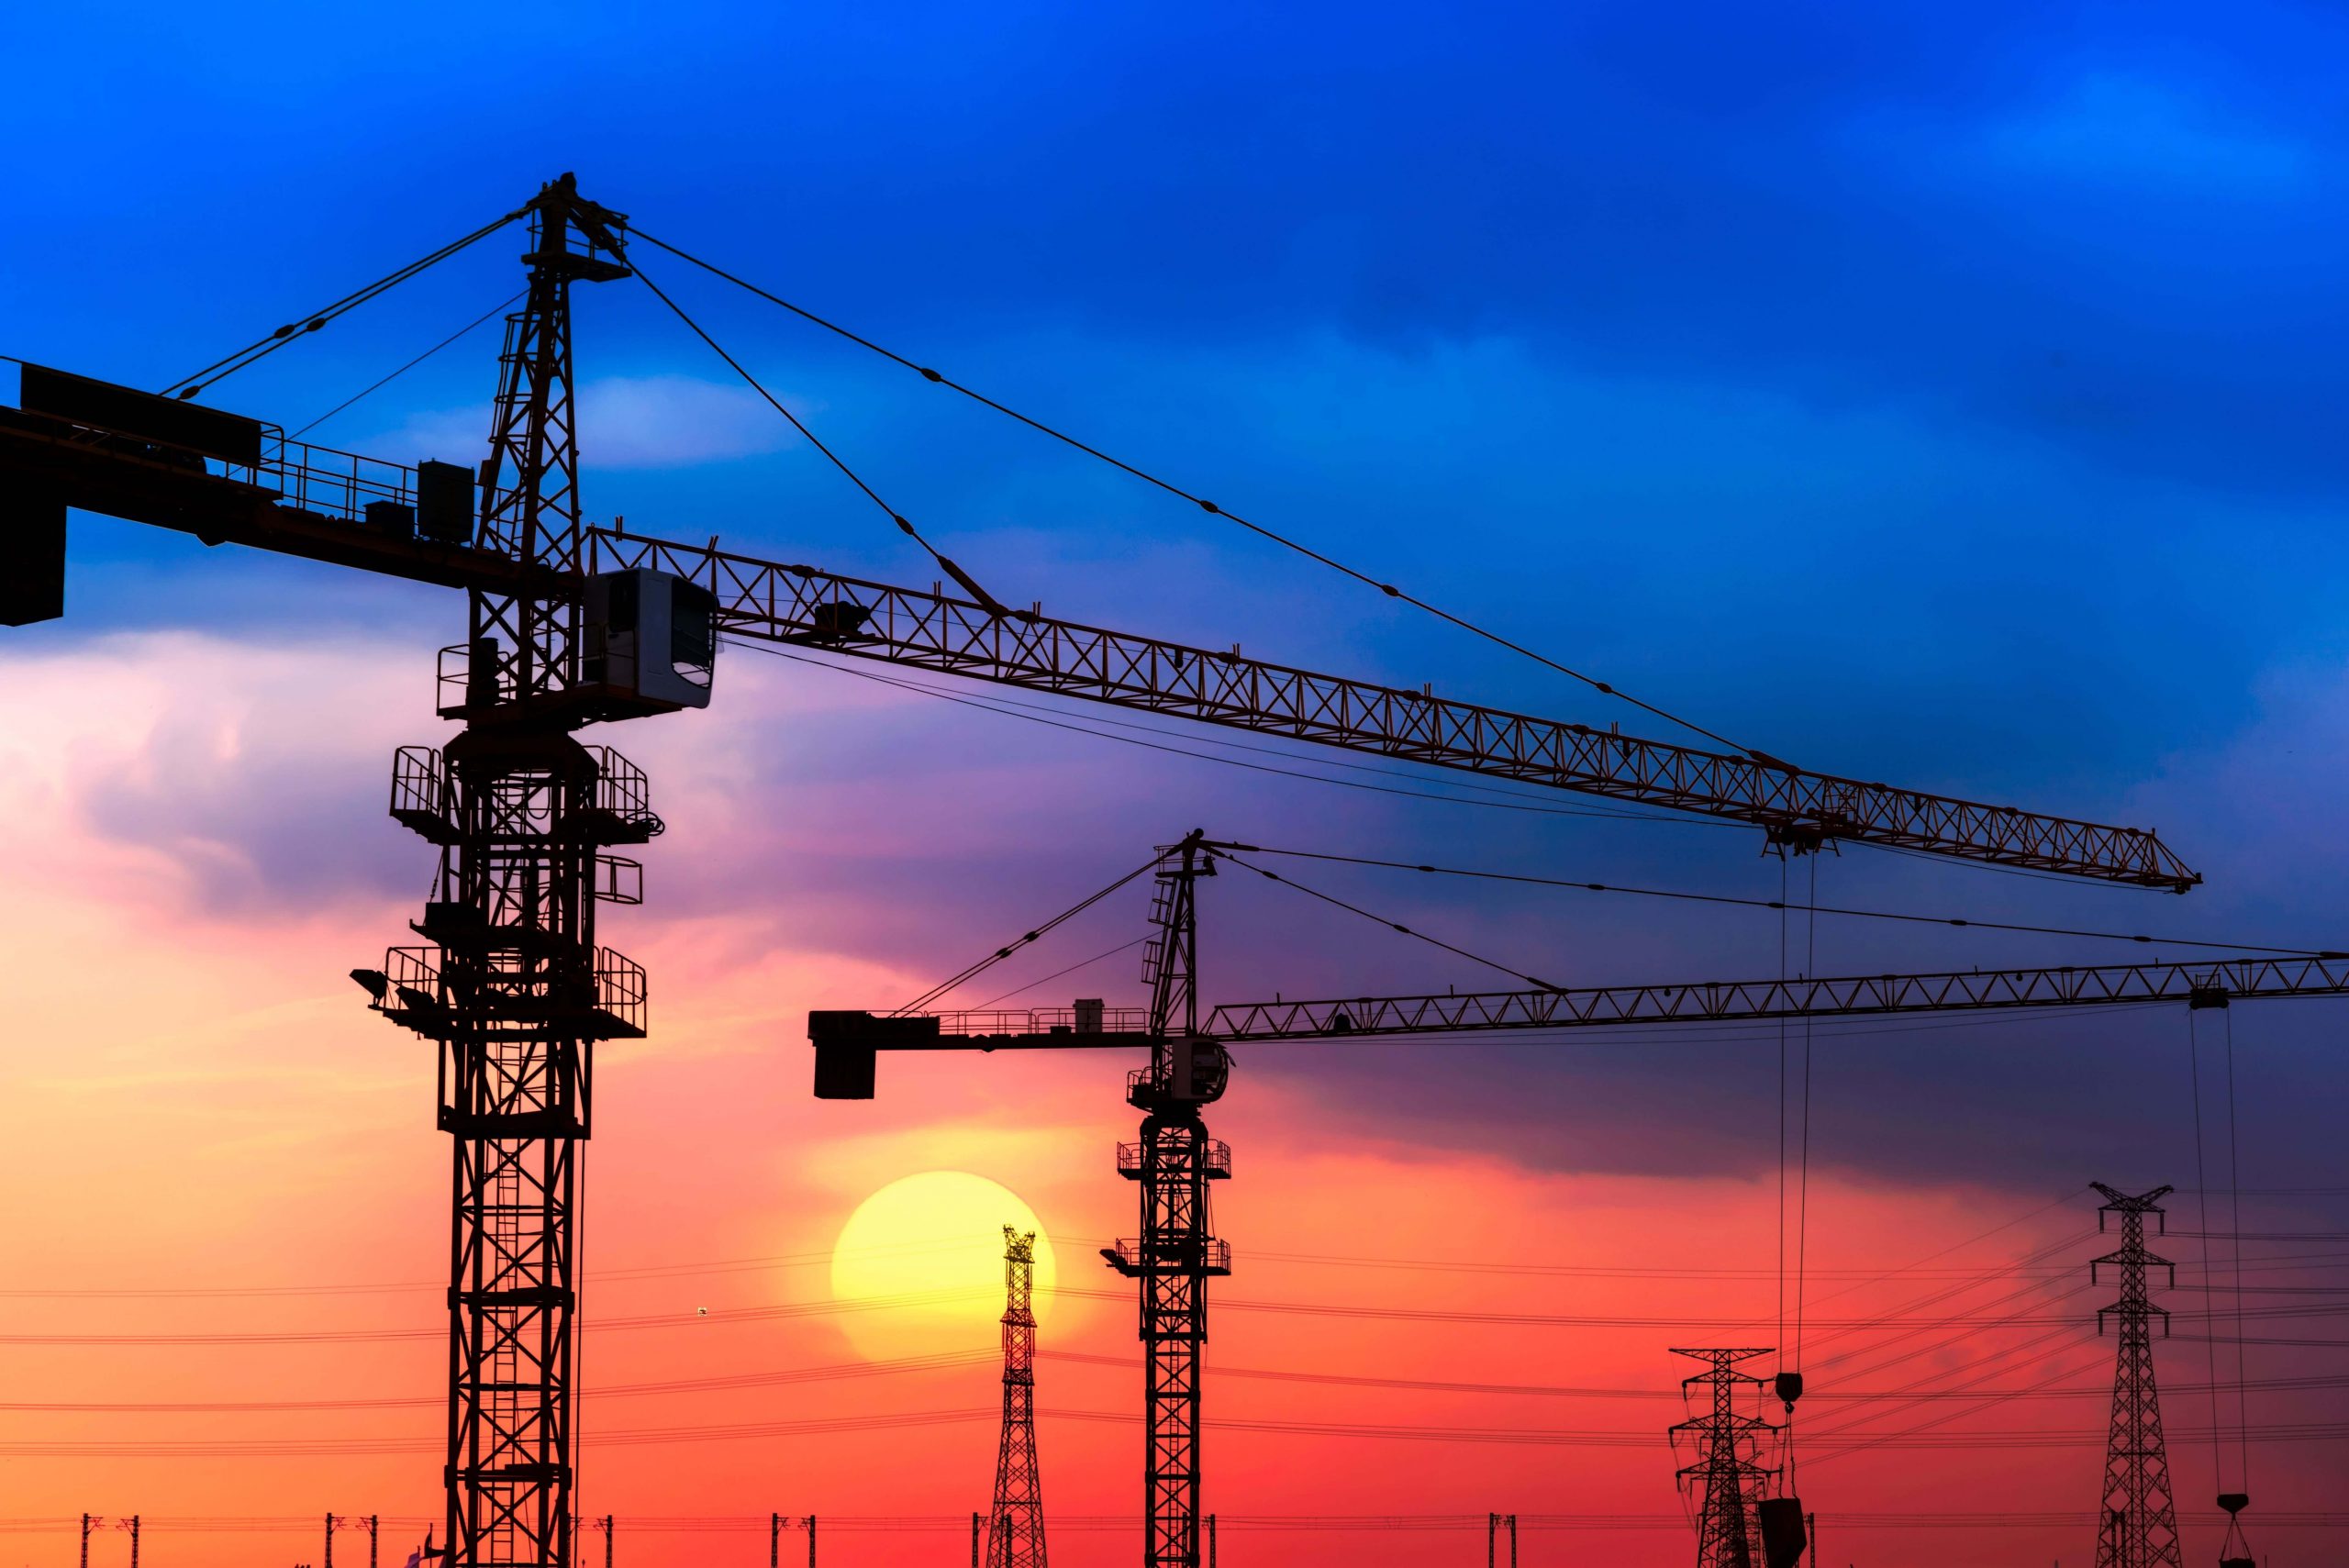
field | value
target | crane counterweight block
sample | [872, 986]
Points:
[847, 1043]
[32, 555]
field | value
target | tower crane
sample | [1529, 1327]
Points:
[570, 624]
[1189, 1066]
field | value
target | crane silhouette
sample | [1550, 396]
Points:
[570, 624]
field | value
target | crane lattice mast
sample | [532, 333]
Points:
[1177, 1252]
[515, 986]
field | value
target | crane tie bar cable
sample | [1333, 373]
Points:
[419, 358]
[1688, 897]
[1007, 949]
[1389, 589]
[261, 348]
[986, 599]
[1396, 926]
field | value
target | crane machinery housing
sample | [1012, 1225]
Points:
[570, 624]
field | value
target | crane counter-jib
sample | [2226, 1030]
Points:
[397, 521]
[930, 631]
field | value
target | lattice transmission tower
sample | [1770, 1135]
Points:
[2139, 1516]
[1015, 1528]
[1727, 1468]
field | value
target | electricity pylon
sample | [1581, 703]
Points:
[2140, 1518]
[1725, 1466]
[1016, 1529]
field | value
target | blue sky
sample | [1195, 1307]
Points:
[1934, 393]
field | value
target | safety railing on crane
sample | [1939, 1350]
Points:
[421, 799]
[986, 1023]
[414, 994]
[324, 480]
[1188, 1255]
[620, 880]
[1215, 1157]
[621, 808]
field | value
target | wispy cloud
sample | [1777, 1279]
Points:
[652, 421]
[2119, 129]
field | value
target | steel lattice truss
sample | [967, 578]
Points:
[901, 626]
[2139, 1515]
[1726, 1472]
[1016, 1527]
[515, 986]
[1176, 1252]
[2205, 983]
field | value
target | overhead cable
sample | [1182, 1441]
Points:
[1286, 542]
[991, 704]
[261, 348]
[1007, 949]
[944, 565]
[376, 387]
[1781, 905]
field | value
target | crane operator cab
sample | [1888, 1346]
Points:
[651, 638]
[1191, 1071]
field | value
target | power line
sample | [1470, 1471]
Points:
[1780, 905]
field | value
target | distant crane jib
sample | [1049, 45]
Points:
[797, 604]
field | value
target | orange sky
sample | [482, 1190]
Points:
[198, 1102]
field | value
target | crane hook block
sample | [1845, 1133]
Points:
[1784, 1535]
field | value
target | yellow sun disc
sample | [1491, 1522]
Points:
[926, 1253]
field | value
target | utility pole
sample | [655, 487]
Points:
[811, 1540]
[2141, 1517]
[373, 1525]
[1210, 1540]
[1019, 1513]
[331, 1522]
[1176, 1252]
[604, 1524]
[87, 1520]
[1725, 1467]
[133, 1525]
[975, 1534]
[1494, 1525]
[775, 1542]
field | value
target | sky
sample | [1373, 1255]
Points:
[1939, 396]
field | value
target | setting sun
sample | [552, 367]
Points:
[932, 1246]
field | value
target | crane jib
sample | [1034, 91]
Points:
[801, 605]
[335, 506]
[847, 1042]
